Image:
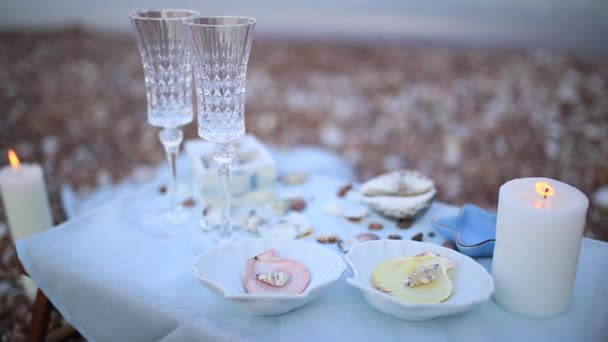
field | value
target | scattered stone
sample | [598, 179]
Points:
[405, 223]
[395, 237]
[344, 190]
[449, 244]
[297, 204]
[375, 226]
[327, 238]
[418, 237]
[189, 203]
[162, 189]
[431, 234]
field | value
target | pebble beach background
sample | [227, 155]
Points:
[74, 101]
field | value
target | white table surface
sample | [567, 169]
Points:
[112, 282]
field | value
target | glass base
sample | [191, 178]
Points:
[226, 238]
[168, 223]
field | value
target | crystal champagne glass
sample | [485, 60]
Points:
[220, 47]
[166, 59]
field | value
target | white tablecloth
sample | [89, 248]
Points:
[114, 283]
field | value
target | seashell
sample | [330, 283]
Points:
[333, 209]
[399, 194]
[355, 213]
[403, 278]
[277, 279]
[252, 221]
[346, 245]
[295, 177]
[306, 232]
[297, 220]
[423, 275]
[402, 183]
[280, 207]
[327, 238]
[263, 274]
[212, 216]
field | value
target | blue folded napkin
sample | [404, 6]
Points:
[473, 231]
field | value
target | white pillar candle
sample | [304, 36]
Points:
[539, 228]
[25, 203]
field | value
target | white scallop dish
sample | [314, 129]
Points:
[225, 271]
[470, 284]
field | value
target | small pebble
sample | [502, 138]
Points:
[344, 190]
[162, 189]
[327, 238]
[405, 223]
[394, 237]
[431, 234]
[189, 203]
[375, 226]
[297, 204]
[449, 244]
[417, 237]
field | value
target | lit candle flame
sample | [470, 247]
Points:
[14, 160]
[544, 189]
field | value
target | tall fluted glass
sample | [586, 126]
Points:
[166, 59]
[220, 48]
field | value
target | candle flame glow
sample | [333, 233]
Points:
[13, 159]
[544, 189]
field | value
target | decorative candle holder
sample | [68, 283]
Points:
[473, 231]
[253, 178]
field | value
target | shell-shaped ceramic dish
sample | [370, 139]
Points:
[399, 194]
[473, 285]
[223, 269]
[473, 231]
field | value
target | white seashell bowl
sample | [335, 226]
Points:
[473, 285]
[223, 269]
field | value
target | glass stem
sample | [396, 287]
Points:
[223, 153]
[171, 138]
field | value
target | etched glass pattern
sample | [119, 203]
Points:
[166, 59]
[221, 51]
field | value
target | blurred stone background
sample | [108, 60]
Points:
[472, 117]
